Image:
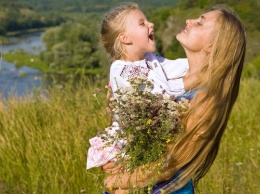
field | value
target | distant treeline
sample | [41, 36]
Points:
[16, 16]
[86, 5]
[73, 44]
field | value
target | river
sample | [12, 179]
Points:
[22, 81]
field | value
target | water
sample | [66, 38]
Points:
[22, 81]
[18, 82]
[30, 43]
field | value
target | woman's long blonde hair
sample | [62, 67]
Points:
[221, 79]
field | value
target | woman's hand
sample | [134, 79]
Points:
[111, 168]
[109, 181]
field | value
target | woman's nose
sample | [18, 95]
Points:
[188, 22]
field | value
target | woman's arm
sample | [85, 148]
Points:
[124, 180]
[140, 178]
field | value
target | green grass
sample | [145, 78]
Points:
[3, 40]
[237, 167]
[22, 59]
[44, 142]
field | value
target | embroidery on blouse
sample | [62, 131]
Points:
[130, 71]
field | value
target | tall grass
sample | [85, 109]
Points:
[237, 167]
[43, 143]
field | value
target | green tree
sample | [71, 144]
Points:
[73, 45]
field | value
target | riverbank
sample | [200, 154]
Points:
[28, 31]
[24, 48]
[20, 59]
[5, 40]
[22, 71]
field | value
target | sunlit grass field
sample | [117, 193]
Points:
[44, 142]
[237, 167]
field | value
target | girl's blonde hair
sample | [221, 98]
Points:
[220, 79]
[112, 25]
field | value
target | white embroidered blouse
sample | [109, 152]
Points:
[167, 75]
[164, 73]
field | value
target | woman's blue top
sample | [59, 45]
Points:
[188, 188]
[187, 95]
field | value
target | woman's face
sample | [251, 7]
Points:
[198, 34]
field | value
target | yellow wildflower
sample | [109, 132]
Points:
[149, 189]
[149, 121]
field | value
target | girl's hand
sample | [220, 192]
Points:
[111, 168]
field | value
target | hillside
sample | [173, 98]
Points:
[78, 21]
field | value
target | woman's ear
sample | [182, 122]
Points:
[124, 38]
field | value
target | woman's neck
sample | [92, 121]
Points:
[195, 62]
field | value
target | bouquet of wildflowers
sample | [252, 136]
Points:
[147, 122]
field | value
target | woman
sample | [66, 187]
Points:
[215, 45]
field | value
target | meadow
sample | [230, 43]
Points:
[44, 142]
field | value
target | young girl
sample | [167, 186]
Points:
[128, 39]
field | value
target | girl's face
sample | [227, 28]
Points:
[140, 34]
[198, 34]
